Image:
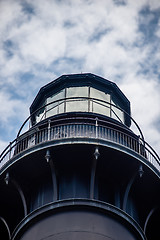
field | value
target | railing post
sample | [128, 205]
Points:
[96, 127]
[49, 130]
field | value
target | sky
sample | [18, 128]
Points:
[41, 40]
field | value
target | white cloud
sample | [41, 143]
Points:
[11, 108]
[3, 145]
[10, 11]
[154, 4]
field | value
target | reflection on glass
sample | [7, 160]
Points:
[58, 106]
[117, 113]
[99, 106]
[77, 104]
[40, 115]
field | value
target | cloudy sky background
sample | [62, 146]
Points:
[43, 39]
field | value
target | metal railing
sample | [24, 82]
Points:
[47, 111]
[36, 136]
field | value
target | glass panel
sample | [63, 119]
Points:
[75, 105]
[98, 106]
[58, 106]
[117, 113]
[40, 115]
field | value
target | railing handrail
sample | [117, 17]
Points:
[141, 144]
[152, 150]
[83, 98]
[6, 149]
[64, 100]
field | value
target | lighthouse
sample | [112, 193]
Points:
[80, 168]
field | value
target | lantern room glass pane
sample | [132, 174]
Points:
[116, 113]
[40, 115]
[56, 107]
[76, 105]
[97, 106]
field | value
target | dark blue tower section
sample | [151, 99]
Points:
[80, 168]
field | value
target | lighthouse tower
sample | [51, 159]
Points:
[79, 168]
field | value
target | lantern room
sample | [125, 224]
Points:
[81, 93]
